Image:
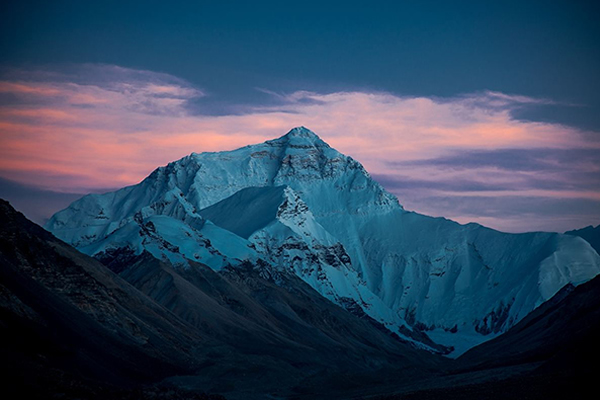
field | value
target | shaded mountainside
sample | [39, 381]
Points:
[147, 329]
[68, 322]
[305, 208]
[551, 354]
[590, 234]
[563, 334]
[287, 335]
[78, 328]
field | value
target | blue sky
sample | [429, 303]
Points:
[239, 58]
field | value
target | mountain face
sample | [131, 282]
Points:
[294, 204]
[557, 344]
[562, 334]
[555, 350]
[590, 234]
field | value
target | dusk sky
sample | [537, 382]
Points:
[469, 110]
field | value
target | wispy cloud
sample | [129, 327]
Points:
[85, 127]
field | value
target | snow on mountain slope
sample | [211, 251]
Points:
[307, 208]
[447, 277]
[171, 240]
[285, 233]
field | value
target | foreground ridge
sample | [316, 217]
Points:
[137, 327]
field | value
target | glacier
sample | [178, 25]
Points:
[296, 205]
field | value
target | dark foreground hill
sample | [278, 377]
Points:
[130, 326]
[551, 354]
[73, 326]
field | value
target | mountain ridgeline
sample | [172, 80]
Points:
[294, 206]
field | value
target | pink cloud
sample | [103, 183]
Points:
[78, 136]
[28, 88]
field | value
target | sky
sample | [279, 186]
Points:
[476, 111]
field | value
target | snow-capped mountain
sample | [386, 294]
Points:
[302, 207]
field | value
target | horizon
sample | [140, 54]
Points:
[474, 112]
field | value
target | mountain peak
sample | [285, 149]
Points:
[301, 136]
[301, 131]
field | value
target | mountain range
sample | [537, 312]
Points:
[282, 270]
[295, 204]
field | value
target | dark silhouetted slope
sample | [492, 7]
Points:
[590, 234]
[75, 327]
